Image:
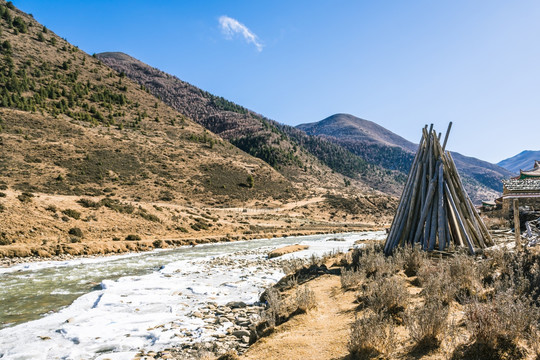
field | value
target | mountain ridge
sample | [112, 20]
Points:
[522, 161]
[378, 145]
[252, 132]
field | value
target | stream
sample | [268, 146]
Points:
[112, 307]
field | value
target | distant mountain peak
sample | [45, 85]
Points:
[380, 146]
[523, 161]
[357, 129]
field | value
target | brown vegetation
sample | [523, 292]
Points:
[453, 307]
[83, 146]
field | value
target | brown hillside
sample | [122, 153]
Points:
[83, 147]
[296, 155]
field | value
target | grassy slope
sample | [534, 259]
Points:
[73, 129]
[297, 156]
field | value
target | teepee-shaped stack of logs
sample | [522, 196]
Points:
[435, 212]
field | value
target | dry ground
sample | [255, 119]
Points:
[320, 334]
[486, 305]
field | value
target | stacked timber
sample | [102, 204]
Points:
[435, 211]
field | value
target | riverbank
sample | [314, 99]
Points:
[48, 226]
[155, 301]
[20, 254]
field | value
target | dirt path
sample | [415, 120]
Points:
[320, 334]
[284, 207]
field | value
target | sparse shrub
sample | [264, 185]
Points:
[351, 279]
[497, 325]
[147, 216]
[385, 295]
[25, 197]
[2, 208]
[75, 239]
[274, 306]
[3, 187]
[2, 194]
[118, 206]
[182, 229]
[75, 231]
[4, 239]
[166, 195]
[89, 203]
[305, 299]
[19, 24]
[51, 208]
[132, 237]
[437, 283]
[229, 355]
[250, 182]
[463, 271]
[291, 266]
[157, 243]
[372, 261]
[413, 260]
[371, 335]
[533, 341]
[427, 323]
[74, 214]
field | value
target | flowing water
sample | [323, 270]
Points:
[85, 307]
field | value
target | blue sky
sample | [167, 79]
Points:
[401, 64]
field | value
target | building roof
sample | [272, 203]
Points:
[533, 173]
[522, 185]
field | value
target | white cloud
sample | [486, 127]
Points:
[230, 27]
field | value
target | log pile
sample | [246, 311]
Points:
[533, 232]
[434, 211]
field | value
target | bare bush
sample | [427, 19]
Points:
[351, 279]
[533, 341]
[370, 336]
[305, 299]
[463, 271]
[437, 284]
[502, 321]
[273, 306]
[413, 260]
[291, 266]
[426, 324]
[373, 263]
[389, 295]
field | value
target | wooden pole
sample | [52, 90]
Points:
[460, 222]
[446, 136]
[517, 229]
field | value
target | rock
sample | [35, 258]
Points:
[236, 304]
[241, 333]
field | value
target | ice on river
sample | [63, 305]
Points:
[154, 311]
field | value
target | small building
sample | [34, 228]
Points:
[525, 188]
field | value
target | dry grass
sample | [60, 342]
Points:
[427, 324]
[388, 296]
[305, 299]
[352, 279]
[489, 305]
[371, 335]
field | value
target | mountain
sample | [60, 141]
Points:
[522, 161]
[382, 147]
[298, 156]
[91, 162]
